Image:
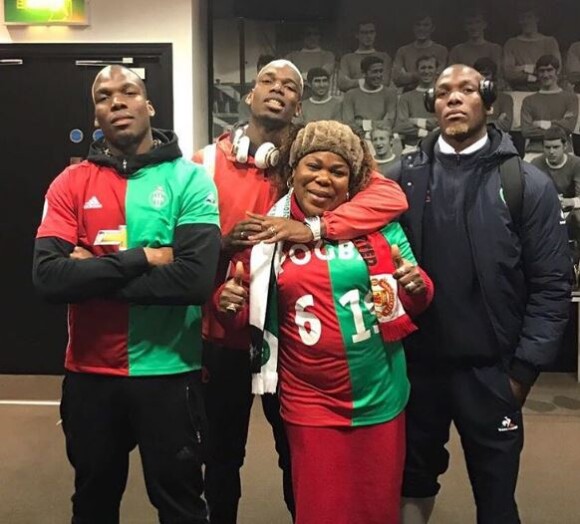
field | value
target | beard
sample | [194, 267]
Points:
[458, 131]
[124, 140]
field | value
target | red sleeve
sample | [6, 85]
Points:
[369, 210]
[415, 304]
[241, 319]
[59, 217]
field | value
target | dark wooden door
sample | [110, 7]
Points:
[46, 122]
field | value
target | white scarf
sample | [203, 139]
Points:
[265, 262]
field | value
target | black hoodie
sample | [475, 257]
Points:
[165, 150]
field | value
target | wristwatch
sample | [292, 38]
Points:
[314, 224]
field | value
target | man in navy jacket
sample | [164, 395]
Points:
[502, 288]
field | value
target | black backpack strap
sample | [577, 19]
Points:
[512, 183]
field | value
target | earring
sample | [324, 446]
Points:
[289, 182]
[347, 195]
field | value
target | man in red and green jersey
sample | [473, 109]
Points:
[130, 240]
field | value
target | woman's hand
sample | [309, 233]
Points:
[234, 295]
[277, 229]
[407, 274]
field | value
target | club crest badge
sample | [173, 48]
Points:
[158, 198]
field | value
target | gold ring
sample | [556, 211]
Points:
[272, 230]
[242, 235]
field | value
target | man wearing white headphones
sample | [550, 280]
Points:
[242, 164]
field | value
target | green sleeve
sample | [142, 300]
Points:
[199, 202]
[395, 236]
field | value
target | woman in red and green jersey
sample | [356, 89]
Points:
[338, 312]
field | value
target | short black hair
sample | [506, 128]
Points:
[369, 61]
[547, 61]
[381, 126]
[422, 58]
[366, 21]
[556, 133]
[316, 72]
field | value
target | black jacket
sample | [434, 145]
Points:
[524, 273]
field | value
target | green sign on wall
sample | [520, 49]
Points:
[45, 12]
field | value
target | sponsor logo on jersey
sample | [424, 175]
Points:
[112, 237]
[93, 203]
[301, 254]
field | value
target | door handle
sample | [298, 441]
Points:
[99, 63]
[11, 61]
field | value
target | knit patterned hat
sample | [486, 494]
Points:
[328, 135]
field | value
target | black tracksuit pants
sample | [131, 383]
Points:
[105, 417]
[229, 400]
[488, 418]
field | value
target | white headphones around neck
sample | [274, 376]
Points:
[266, 156]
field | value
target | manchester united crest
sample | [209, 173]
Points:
[384, 296]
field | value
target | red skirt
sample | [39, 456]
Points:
[348, 475]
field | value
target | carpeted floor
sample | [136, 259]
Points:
[36, 480]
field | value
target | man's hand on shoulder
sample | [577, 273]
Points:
[240, 237]
[278, 229]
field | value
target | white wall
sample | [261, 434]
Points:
[180, 22]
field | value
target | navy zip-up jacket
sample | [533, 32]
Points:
[524, 272]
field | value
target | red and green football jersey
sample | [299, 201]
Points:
[335, 369]
[94, 207]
